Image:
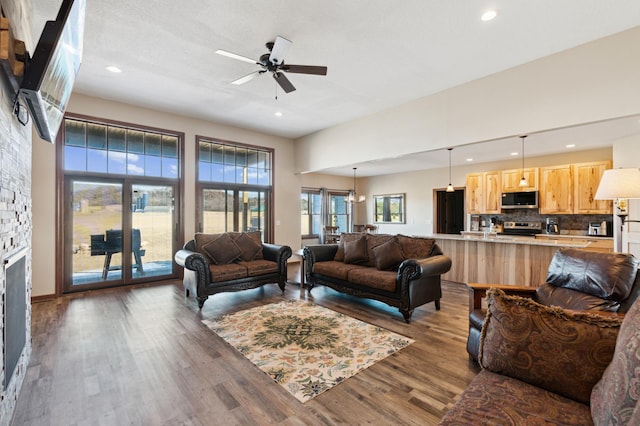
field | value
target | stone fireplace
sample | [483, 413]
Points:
[15, 227]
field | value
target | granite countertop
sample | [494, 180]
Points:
[516, 239]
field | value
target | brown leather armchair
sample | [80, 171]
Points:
[577, 279]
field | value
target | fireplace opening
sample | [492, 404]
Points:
[15, 312]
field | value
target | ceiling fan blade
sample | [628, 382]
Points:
[283, 82]
[279, 51]
[246, 78]
[305, 69]
[238, 57]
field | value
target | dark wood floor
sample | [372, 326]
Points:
[141, 356]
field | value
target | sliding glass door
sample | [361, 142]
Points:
[118, 232]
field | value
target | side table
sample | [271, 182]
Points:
[300, 254]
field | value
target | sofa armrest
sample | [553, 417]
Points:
[427, 267]
[196, 274]
[477, 292]
[191, 260]
[320, 252]
[277, 253]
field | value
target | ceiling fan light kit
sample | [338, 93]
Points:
[273, 62]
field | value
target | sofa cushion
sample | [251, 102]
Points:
[249, 247]
[605, 275]
[259, 267]
[614, 399]
[222, 250]
[416, 247]
[389, 255]
[372, 278]
[334, 269]
[356, 251]
[494, 399]
[551, 295]
[344, 238]
[231, 271]
[373, 241]
[202, 239]
[559, 350]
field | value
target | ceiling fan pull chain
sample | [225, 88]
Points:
[276, 91]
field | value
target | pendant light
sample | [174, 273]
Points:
[523, 180]
[450, 187]
[361, 198]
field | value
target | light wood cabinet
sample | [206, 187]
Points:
[556, 190]
[483, 192]
[492, 193]
[586, 180]
[475, 192]
[511, 179]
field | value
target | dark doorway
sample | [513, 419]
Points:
[450, 212]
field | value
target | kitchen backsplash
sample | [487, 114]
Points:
[577, 224]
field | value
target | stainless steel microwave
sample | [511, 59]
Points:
[519, 200]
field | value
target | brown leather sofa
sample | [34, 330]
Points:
[231, 261]
[577, 279]
[398, 270]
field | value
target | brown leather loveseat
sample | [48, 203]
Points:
[231, 261]
[577, 279]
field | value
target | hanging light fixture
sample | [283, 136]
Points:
[450, 187]
[352, 196]
[523, 180]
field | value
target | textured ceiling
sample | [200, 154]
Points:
[379, 53]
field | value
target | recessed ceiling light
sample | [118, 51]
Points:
[571, 145]
[514, 153]
[489, 15]
[113, 68]
[278, 114]
[469, 159]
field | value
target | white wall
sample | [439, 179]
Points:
[286, 190]
[593, 82]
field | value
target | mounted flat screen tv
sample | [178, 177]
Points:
[50, 74]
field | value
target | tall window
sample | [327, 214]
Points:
[235, 184]
[119, 224]
[311, 213]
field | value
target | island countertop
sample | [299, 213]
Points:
[507, 259]
[570, 241]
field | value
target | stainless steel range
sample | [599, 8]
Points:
[522, 228]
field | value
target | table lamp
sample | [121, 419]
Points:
[619, 185]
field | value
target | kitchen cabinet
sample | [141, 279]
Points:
[492, 193]
[483, 192]
[556, 190]
[586, 180]
[475, 192]
[511, 179]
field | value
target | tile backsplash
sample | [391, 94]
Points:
[576, 224]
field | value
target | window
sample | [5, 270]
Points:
[339, 210]
[311, 213]
[234, 187]
[104, 148]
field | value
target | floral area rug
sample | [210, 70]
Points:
[304, 347]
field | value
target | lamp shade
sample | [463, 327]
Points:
[619, 183]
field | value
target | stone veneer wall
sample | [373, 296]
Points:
[15, 199]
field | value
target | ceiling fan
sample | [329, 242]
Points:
[273, 62]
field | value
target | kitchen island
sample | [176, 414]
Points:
[502, 259]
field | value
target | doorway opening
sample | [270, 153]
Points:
[449, 211]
